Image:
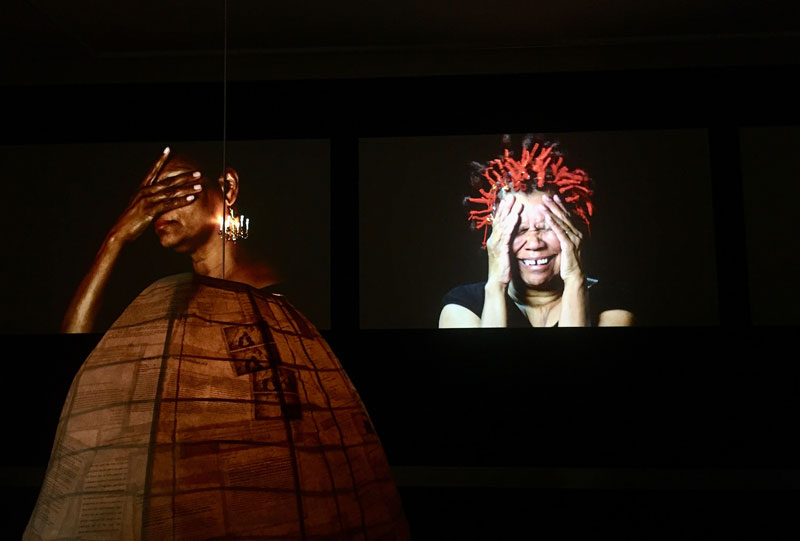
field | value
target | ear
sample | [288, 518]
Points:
[230, 185]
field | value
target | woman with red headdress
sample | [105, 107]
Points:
[539, 212]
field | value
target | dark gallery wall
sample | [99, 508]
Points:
[771, 194]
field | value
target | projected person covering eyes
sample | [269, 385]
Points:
[211, 409]
[185, 206]
[539, 212]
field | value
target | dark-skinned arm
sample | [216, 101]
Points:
[151, 200]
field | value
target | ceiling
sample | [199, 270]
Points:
[86, 41]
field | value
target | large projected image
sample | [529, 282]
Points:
[69, 200]
[570, 229]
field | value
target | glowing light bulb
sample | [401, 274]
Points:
[234, 228]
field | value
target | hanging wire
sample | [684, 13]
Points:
[224, 125]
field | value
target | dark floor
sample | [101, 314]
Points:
[481, 513]
[623, 439]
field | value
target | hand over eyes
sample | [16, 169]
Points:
[155, 197]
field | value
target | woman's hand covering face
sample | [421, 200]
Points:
[498, 245]
[569, 237]
[154, 198]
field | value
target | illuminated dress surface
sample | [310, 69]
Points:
[213, 410]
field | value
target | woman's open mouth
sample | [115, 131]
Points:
[537, 264]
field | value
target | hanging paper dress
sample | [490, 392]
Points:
[212, 410]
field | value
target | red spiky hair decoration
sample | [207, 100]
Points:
[532, 170]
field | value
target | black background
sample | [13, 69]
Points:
[691, 427]
[771, 193]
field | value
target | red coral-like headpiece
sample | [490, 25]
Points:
[510, 174]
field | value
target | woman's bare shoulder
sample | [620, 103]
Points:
[455, 316]
[615, 318]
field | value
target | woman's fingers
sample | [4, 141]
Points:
[165, 205]
[173, 197]
[511, 219]
[555, 209]
[183, 188]
[175, 180]
[169, 185]
[560, 204]
[174, 192]
[570, 250]
[155, 197]
[503, 209]
[505, 219]
[558, 229]
[190, 180]
[564, 233]
[152, 175]
[499, 243]
[552, 204]
[570, 244]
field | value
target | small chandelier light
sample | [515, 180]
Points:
[234, 228]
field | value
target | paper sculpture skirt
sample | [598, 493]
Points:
[211, 410]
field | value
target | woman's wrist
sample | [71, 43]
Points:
[495, 288]
[110, 249]
[115, 240]
[575, 282]
[494, 304]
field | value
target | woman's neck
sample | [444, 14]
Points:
[533, 297]
[207, 260]
[542, 307]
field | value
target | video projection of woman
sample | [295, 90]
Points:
[74, 193]
[639, 228]
[212, 408]
[539, 212]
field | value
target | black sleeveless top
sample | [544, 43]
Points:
[602, 297]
